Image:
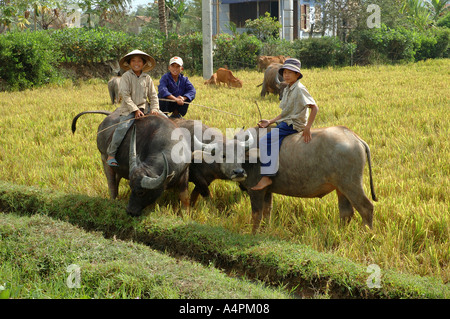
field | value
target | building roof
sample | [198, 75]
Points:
[242, 1]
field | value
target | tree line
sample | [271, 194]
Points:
[184, 16]
[30, 54]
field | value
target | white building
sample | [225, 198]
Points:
[296, 16]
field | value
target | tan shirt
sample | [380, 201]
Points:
[135, 91]
[294, 106]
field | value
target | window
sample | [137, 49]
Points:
[304, 17]
[239, 12]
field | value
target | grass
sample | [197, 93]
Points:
[291, 268]
[36, 252]
[401, 111]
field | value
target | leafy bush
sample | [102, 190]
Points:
[151, 41]
[321, 52]
[264, 28]
[81, 45]
[189, 47]
[394, 45]
[28, 59]
[238, 51]
[443, 42]
[277, 47]
[444, 21]
[401, 44]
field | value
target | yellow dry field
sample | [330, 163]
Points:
[401, 111]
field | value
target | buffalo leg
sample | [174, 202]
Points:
[267, 208]
[199, 190]
[345, 207]
[257, 203]
[113, 181]
[184, 191]
[361, 203]
[194, 196]
[184, 198]
[263, 90]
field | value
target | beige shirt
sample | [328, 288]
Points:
[294, 106]
[135, 91]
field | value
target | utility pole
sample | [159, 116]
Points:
[207, 39]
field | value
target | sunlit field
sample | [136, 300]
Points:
[402, 112]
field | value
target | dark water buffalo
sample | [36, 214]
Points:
[225, 162]
[145, 160]
[333, 160]
[265, 60]
[273, 82]
[113, 88]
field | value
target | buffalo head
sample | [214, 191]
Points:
[146, 186]
[228, 156]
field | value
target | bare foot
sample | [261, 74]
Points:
[263, 183]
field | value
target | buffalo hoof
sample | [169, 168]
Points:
[133, 214]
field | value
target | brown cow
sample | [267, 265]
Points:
[265, 60]
[212, 80]
[225, 76]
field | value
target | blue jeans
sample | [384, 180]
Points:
[272, 140]
[168, 107]
[119, 133]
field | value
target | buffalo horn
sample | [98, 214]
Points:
[156, 182]
[132, 154]
[204, 147]
[246, 144]
[277, 80]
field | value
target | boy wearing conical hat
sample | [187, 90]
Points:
[137, 90]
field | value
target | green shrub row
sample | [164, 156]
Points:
[30, 59]
[38, 253]
[401, 44]
[295, 266]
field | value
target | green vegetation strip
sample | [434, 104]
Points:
[47, 258]
[295, 266]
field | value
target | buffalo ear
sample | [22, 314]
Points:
[198, 155]
[252, 155]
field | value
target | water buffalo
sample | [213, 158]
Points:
[113, 88]
[273, 81]
[265, 60]
[333, 160]
[145, 160]
[225, 76]
[225, 163]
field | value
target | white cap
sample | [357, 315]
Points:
[177, 60]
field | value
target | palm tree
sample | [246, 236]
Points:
[162, 16]
[177, 10]
[438, 7]
[418, 13]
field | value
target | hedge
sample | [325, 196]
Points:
[401, 44]
[29, 59]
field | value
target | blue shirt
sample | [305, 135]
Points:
[183, 87]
